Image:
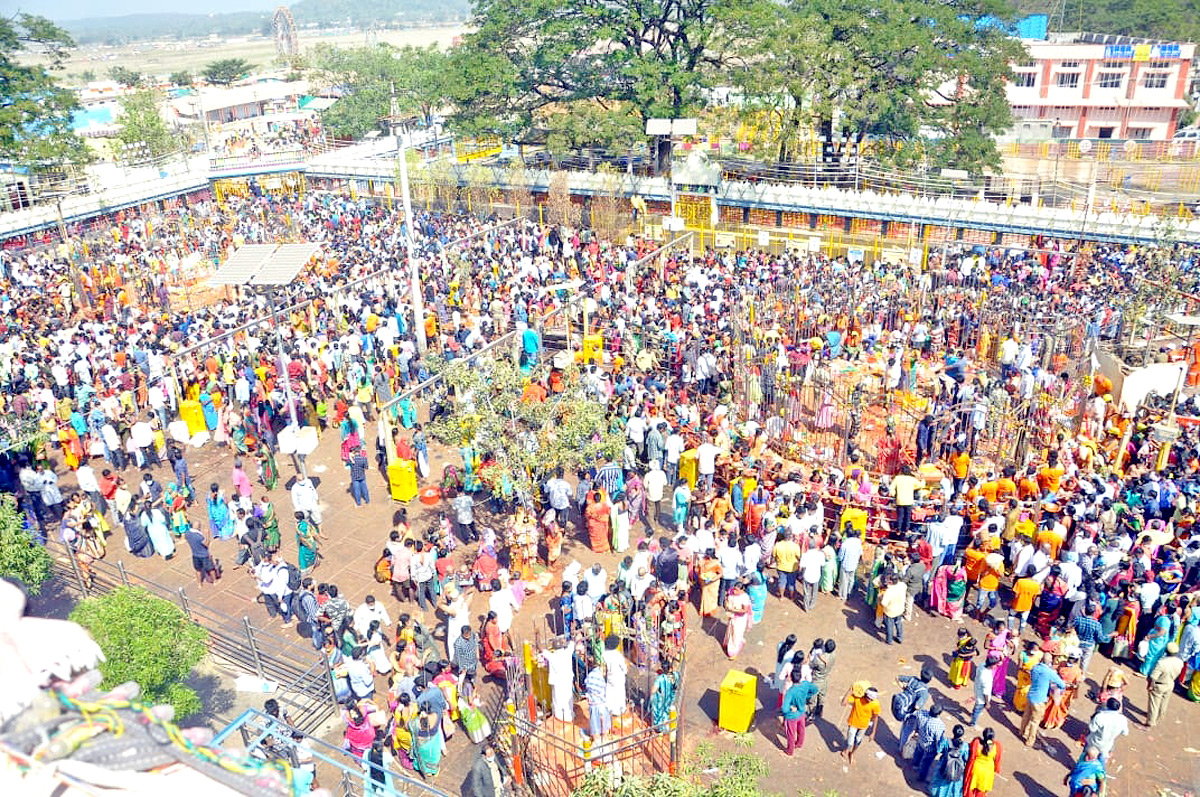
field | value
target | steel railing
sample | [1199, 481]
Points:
[304, 681]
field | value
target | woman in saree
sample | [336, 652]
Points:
[137, 541]
[710, 584]
[175, 503]
[963, 656]
[737, 603]
[1059, 706]
[757, 590]
[829, 570]
[1156, 641]
[999, 644]
[239, 437]
[270, 525]
[408, 413]
[220, 519]
[1025, 663]
[307, 542]
[662, 696]
[72, 448]
[873, 577]
[268, 471]
[154, 522]
[596, 517]
[1113, 685]
[1126, 629]
[949, 590]
[402, 738]
[983, 766]
[427, 743]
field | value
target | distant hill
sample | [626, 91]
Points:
[117, 30]
[355, 13]
[363, 13]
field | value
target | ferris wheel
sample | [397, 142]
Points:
[283, 28]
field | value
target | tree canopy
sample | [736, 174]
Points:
[224, 71]
[35, 112]
[367, 76]
[142, 127]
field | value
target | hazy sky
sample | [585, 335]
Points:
[77, 9]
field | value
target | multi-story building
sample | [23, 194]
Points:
[1086, 87]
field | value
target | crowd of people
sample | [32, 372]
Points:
[1076, 541]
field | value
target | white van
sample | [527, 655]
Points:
[1187, 134]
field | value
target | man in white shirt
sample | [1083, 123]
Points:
[635, 428]
[142, 435]
[596, 578]
[304, 499]
[504, 604]
[730, 557]
[370, 610]
[811, 562]
[673, 447]
[943, 538]
[655, 483]
[89, 485]
[706, 462]
[1106, 726]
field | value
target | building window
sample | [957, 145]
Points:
[1025, 65]
[1111, 80]
[1062, 131]
[1067, 80]
[1154, 80]
[1024, 80]
[1069, 65]
[1023, 111]
[1113, 65]
[1159, 65]
[1139, 132]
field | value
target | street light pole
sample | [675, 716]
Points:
[297, 459]
[418, 303]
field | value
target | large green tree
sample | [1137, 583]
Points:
[647, 58]
[224, 71]
[142, 127]
[367, 78]
[35, 112]
[148, 640]
[915, 76]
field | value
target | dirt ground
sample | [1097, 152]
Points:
[1164, 761]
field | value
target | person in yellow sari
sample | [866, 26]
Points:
[983, 766]
[1025, 662]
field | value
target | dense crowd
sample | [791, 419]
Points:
[720, 369]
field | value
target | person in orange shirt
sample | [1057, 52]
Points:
[1050, 477]
[990, 573]
[973, 560]
[961, 462]
[1027, 488]
[990, 488]
[1051, 535]
[1006, 487]
[1024, 591]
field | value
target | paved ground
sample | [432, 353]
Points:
[1162, 761]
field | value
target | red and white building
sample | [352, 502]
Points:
[1081, 89]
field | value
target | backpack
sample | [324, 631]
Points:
[905, 700]
[293, 576]
[383, 569]
[902, 703]
[954, 764]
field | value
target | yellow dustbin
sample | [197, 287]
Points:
[688, 467]
[193, 415]
[593, 349]
[402, 480]
[739, 691]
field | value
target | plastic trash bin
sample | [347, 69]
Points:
[193, 415]
[688, 464]
[739, 691]
[402, 480]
